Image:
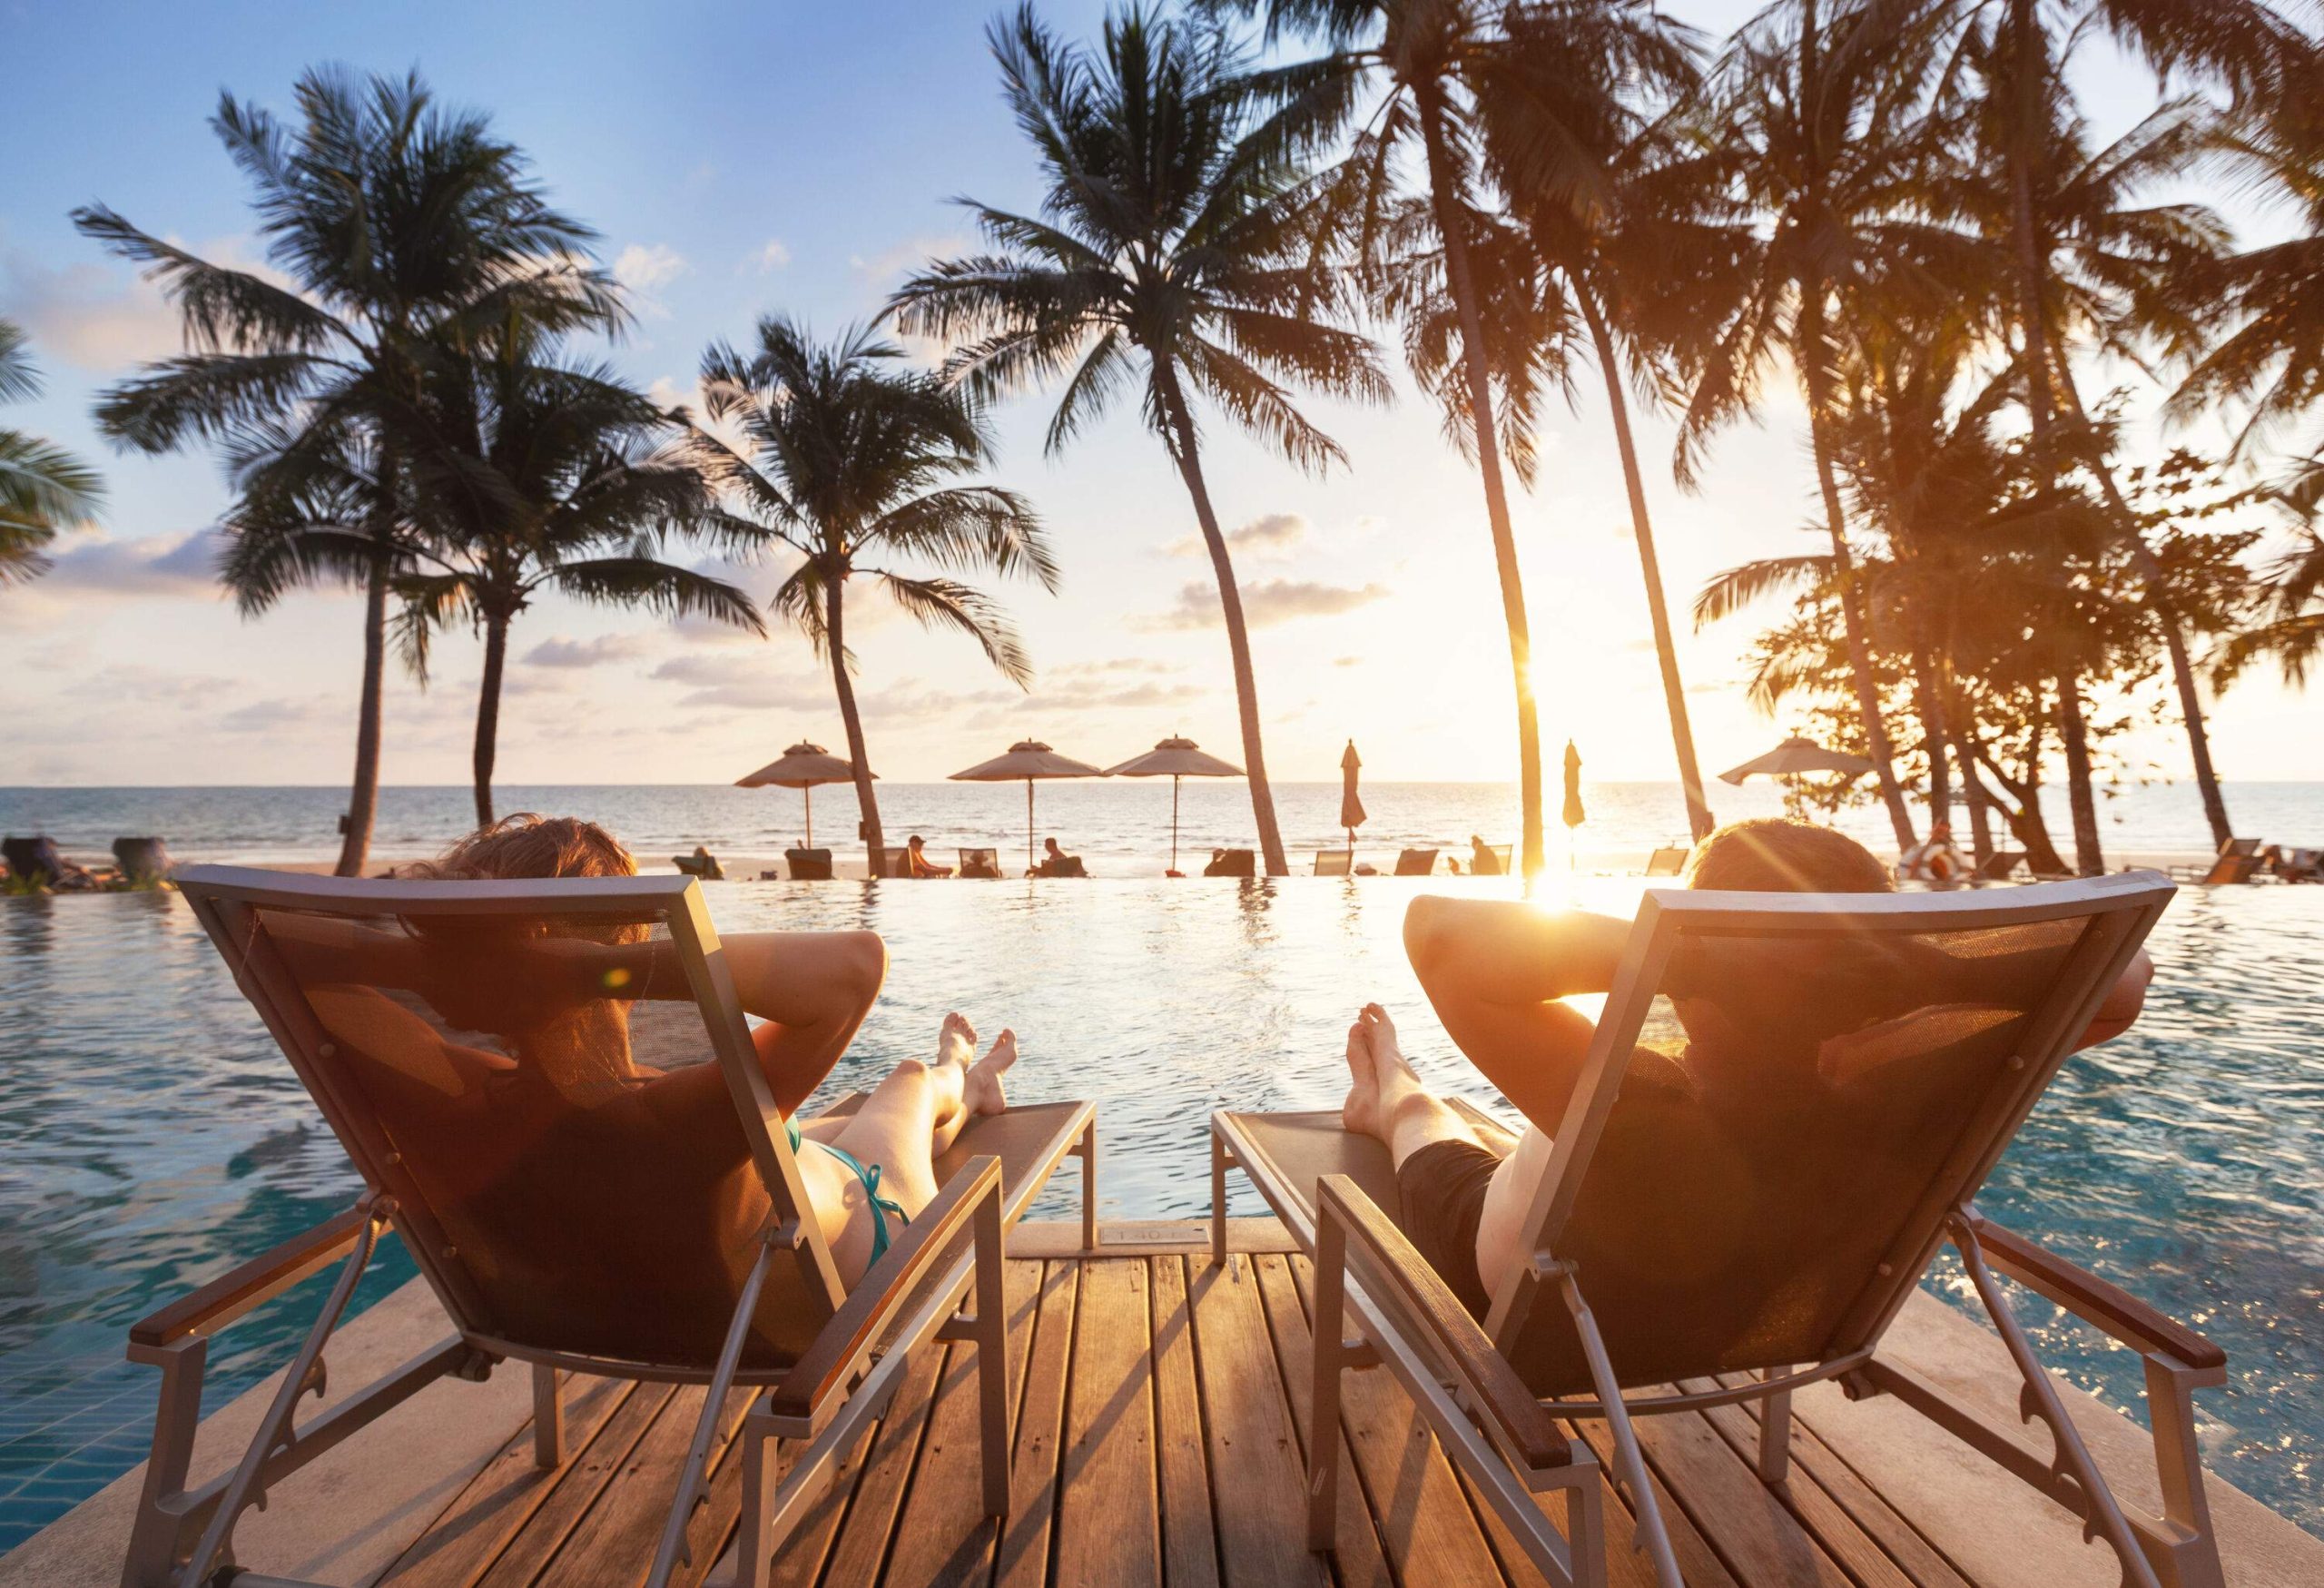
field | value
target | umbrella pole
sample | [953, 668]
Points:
[808, 794]
[1174, 821]
[1028, 824]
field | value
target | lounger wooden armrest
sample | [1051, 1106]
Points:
[1523, 1426]
[2096, 1300]
[259, 1280]
[891, 1284]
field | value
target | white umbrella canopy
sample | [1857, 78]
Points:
[1175, 758]
[1792, 757]
[1029, 759]
[803, 766]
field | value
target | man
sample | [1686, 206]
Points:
[916, 861]
[1933, 860]
[1495, 971]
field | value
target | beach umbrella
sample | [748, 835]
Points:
[1794, 756]
[1030, 760]
[1573, 815]
[803, 766]
[1351, 807]
[1175, 758]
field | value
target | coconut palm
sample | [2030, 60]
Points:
[1825, 122]
[2293, 631]
[1404, 73]
[398, 225]
[1630, 227]
[850, 458]
[531, 476]
[42, 487]
[1172, 253]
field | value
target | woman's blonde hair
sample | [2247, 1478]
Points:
[525, 846]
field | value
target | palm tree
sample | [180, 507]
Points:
[1409, 69]
[848, 459]
[1827, 131]
[2293, 631]
[399, 225]
[1629, 227]
[1172, 236]
[532, 476]
[42, 487]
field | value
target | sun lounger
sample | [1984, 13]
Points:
[1415, 862]
[1334, 863]
[2237, 861]
[1232, 862]
[808, 865]
[1683, 1261]
[142, 859]
[560, 1234]
[2298, 865]
[700, 863]
[983, 863]
[1668, 860]
[1997, 866]
[1491, 860]
[38, 862]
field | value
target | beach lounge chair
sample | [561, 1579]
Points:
[1682, 1261]
[888, 861]
[2298, 865]
[808, 865]
[1997, 866]
[38, 861]
[1334, 863]
[1668, 860]
[983, 863]
[1491, 860]
[1232, 862]
[1415, 862]
[556, 1230]
[2228, 865]
[700, 863]
[142, 859]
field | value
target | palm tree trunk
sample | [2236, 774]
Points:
[1188, 455]
[2073, 733]
[875, 840]
[1699, 820]
[2174, 637]
[1442, 197]
[1937, 736]
[1852, 619]
[2028, 133]
[363, 798]
[2025, 817]
[487, 713]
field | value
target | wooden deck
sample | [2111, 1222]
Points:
[1161, 1424]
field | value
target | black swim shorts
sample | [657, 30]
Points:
[1444, 1188]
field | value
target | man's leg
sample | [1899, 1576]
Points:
[1387, 1100]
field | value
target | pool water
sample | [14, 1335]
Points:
[151, 1134]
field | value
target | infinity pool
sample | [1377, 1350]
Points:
[151, 1134]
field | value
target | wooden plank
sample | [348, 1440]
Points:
[799, 1561]
[1421, 1515]
[944, 1537]
[1698, 1563]
[1190, 1537]
[1257, 1468]
[1059, 1239]
[496, 1502]
[613, 1545]
[1859, 1554]
[1022, 1559]
[1759, 1538]
[862, 1545]
[583, 1480]
[1107, 1529]
[1902, 1542]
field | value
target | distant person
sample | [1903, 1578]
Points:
[916, 861]
[1483, 861]
[1934, 860]
[1056, 863]
[1231, 862]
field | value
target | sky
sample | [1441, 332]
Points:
[750, 158]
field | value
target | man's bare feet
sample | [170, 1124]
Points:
[1380, 1040]
[980, 1088]
[1360, 1114]
[956, 1043]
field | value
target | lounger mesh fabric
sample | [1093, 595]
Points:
[572, 1209]
[1788, 1106]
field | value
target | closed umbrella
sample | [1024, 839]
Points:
[1350, 805]
[803, 766]
[1030, 760]
[1175, 758]
[1573, 815]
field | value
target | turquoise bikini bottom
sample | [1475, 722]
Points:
[881, 1206]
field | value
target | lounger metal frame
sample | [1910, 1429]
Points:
[183, 1536]
[1462, 1384]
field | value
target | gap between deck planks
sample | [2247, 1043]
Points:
[1160, 1429]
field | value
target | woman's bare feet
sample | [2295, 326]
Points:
[980, 1088]
[956, 1043]
[1360, 1114]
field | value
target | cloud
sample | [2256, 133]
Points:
[560, 652]
[1266, 604]
[278, 713]
[152, 564]
[1110, 666]
[769, 257]
[106, 317]
[1271, 536]
[646, 268]
[739, 681]
[880, 270]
